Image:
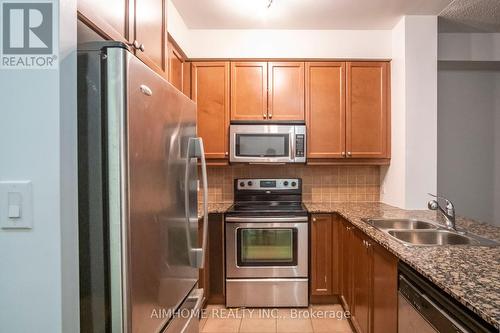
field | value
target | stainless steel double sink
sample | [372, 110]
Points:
[412, 232]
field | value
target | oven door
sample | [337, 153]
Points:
[262, 143]
[266, 247]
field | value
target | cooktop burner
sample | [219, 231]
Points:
[268, 197]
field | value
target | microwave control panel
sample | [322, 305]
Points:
[299, 145]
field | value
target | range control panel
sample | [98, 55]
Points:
[268, 184]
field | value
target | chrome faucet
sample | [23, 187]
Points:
[449, 213]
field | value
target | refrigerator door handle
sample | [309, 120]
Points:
[205, 200]
[196, 254]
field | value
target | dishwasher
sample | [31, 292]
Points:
[424, 308]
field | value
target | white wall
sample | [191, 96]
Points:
[39, 267]
[496, 197]
[361, 44]
[466, 141]
[394, 176]
[412, 173]
[468, 123]
[421, 110]
[178, 29]
[469, 46]
[258, 43]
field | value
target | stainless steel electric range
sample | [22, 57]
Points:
[267, 246]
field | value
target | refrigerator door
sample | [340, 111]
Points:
[161, 123]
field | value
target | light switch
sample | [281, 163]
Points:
[14, 212]
[16, 205]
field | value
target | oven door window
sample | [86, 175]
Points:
[262, 145]
[267, 247]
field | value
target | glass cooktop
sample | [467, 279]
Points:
[262, 207]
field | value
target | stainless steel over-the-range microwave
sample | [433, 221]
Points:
[267, 143]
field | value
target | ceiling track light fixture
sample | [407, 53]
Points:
[269, 3]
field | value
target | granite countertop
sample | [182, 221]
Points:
[215, 208]
[470, 274]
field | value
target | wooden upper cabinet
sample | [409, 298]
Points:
[175, 67]
[186, 78]
[108, 18]
[286, 91]
[210, 90]
[325, 109]
[151, 32]
[367, 110]
[248, 90]
[139, 22]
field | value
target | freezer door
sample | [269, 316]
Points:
[160, 124]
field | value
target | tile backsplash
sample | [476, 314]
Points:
[320, 183]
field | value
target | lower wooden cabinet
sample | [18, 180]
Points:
[325, 232]
[384, 290]
[361, 282]
[347, 264]
[211, 278]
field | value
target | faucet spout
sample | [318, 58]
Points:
[449, 213]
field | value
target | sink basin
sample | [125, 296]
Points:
[430, 237]
[414, 232]
[401, 224]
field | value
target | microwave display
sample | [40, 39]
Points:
[262, 145]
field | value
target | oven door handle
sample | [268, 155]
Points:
[267, 219]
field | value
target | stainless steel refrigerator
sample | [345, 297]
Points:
[138, 204]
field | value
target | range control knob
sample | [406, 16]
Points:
[294, 184]
[285, 183]
[242, 184]
[250, 183]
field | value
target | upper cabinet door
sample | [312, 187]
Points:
[325, 109]
[286, 91]
[109, 18]
[175, 67]
[367, 109]
[151, 33]
[210, 90]
[248, 90]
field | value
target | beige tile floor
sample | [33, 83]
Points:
[218, 319]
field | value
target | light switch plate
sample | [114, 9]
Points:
[16, 197]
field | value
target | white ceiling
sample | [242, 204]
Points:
[471, 16]
[302, 14]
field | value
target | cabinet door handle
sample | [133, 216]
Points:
[270, 115]
[314, 219]
[264, 115]
[136, 45]
[343, 153]
[349, 154]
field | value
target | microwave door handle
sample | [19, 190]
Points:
[292, 146]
